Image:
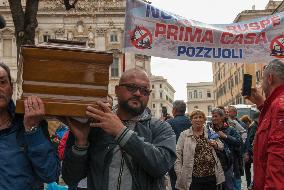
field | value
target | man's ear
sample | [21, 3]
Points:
[270, 79]
[116, 89]
[174, 111]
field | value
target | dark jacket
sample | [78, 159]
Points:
[242, 123]
[249, 141]
[234, 143]
[179, 124]
[151, 147]
[26, 159]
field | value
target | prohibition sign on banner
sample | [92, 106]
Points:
[277, 47]
[141, 38]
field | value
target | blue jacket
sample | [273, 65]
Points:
[179, 124]
[26, 159]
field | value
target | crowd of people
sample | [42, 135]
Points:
[123, 147]
[213, 155]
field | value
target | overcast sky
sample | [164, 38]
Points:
[180, 72]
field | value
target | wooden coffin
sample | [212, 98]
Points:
[66, 79]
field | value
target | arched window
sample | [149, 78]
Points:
[195, 94]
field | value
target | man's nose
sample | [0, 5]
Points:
[137, 92]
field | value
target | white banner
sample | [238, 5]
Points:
[154, 32]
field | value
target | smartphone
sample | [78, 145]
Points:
[247, 82]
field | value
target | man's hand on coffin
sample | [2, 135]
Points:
[34, 112]
[105, 119]
[79, 130]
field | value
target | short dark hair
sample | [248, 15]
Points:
[180, 106]
[6, 68]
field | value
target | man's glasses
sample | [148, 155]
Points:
[133, 88]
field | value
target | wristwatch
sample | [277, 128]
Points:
[32, 129]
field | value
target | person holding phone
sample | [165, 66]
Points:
[268, 150]
[197, 166]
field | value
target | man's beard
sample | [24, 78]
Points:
[135, 111]
[5, 97]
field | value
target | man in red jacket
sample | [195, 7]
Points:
[268, 158]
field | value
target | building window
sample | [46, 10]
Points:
[46, 37]
[140, 64]
[167, 97]
[7, 47]
[258, 76]
[153, 86]
[232, 82]
[161, 94]
[195, 94]
[113, 38]
[242, 100]
[161, 105]
[115, 67]
[218, 74]
[208, 94]
[236, 79]
[70, 36]
[190, 95]
[154, 105]
[200, 95]
[161, 86]
[195, 107]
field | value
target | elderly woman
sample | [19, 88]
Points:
[197, 166]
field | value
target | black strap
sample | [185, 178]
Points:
[120, 173]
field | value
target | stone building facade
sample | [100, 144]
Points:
[99, 24]
[200, 96]
[162, 95]
[227, 77]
